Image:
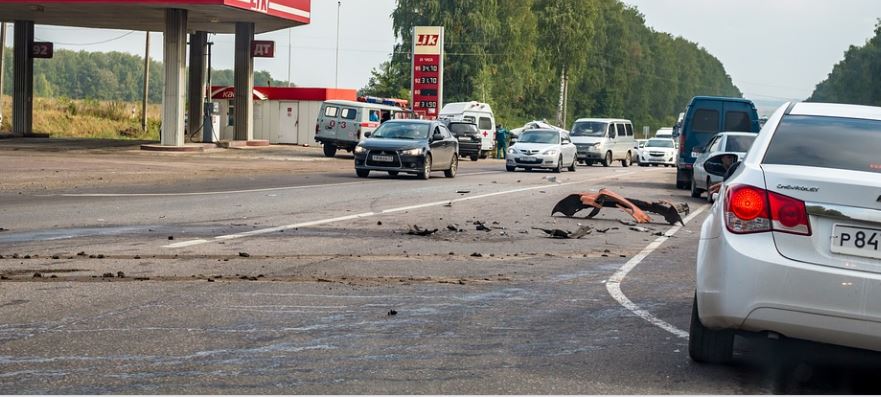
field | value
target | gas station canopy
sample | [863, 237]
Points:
[218, 16]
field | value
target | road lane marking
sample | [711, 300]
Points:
[268, 189]
[613, 285]
[277, 229]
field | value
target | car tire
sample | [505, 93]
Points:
[454, 167]
[588, 163]
[484, 154]
[627, 160]
[393, 173]
[362, 173]
[510, 168]
[707, 345]
[426, 168]
[572, 167]
[474, 157]
[607, 161]
[695, 191]
[329, 150]
[559, 168]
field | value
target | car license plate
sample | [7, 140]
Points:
[528, 158]
[856, 241]
[386, 159]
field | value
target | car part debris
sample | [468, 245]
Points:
[640, 229]
[415, 230]
[565, 234]
[574, 203]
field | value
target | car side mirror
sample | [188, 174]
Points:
[715, 166]
[367, 134]
[437, 137]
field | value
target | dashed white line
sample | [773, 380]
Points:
[613, 285]
[277, 229]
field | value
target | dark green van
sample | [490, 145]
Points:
[705, 117]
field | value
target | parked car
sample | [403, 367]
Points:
[478, 113]
[410, 146]
[792, 247]
[732, 142]
[542, 149]
[342, 124]
[658, 151]
[604, 141]
[704, 118]
[468, 135]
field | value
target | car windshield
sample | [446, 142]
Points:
[403, 130]
[540, 137]
[659, 143]
[463, 129]
[589, 128]
[827, 142]
[739, 143]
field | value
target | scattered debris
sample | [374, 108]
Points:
[137, 257]
[210, 280]
[640, 229]
[574, 203]
[81, 253]
[449, 204]
[27, 257]
[453, 228]
[565, 234]
[3, 229]
[38, 275]
[244, 254]
[477, 255]
[603, 230]
[463, 191]
[142, 278]
[4, 278]
[481, 226]
[56, 257]
[659, 234]
[551, 179]
[415, 230]
[378, 223]
[393, 312]
[120, 275]
[627, 223]
[14, 256]
[171, 237]
[107, 275]
[100, 256]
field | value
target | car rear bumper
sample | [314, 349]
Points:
[743, 283]
[648, 159]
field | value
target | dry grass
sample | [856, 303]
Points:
[76, 118]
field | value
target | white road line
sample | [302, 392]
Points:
[277, 229]
[613, 285]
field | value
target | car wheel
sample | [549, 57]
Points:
[426, 168]
[393, 173]
[454, 166]
[474, 157]
[572, 167]
[627, 160]
[589, 163]
[706, 345]
[510, 168]
[709, 196]
[608, 160]
[695, 191]
[483, 154]
[362, 173]
[329, 150]
[559, 168]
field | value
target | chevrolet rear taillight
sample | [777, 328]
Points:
[749, 209]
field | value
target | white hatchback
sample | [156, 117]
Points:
[792, 246]
[542, 149]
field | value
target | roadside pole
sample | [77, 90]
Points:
[146, 83]
[2, 56]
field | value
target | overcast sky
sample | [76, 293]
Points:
[773, 49]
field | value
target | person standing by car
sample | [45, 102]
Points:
[501, 141]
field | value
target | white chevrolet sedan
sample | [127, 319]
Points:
[542, 148]
[792, 247]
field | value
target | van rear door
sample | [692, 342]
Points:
[704, 123]
[327, 121]
[348, 124]
[740, 116]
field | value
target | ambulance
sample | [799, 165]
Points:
[477, 113]
[342, 124]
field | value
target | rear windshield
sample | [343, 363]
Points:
[827, 142]
[659, 143]
[589, 128]
[739, 143]
[461, 129]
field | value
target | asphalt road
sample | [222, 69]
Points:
[308, 283]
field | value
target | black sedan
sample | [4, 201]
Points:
[469, 138]
[410, 146]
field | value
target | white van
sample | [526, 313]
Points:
[477, 113]
[342, 124]
[604, 141]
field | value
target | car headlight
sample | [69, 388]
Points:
[512, 151]
[412, 152]
[360, 149]
[550, 152]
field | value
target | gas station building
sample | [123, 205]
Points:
[176, 19]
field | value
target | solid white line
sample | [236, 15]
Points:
[613, 285]
[277, 229]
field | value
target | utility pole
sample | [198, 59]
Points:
[561, 105]
[2, 56]
[339, 4]
[146, 83]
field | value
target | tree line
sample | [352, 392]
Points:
[113, 76]
[857, 78]
[513, 54]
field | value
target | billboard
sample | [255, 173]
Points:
[426, 84]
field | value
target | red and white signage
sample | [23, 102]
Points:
[263, 49]
[428, 71]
